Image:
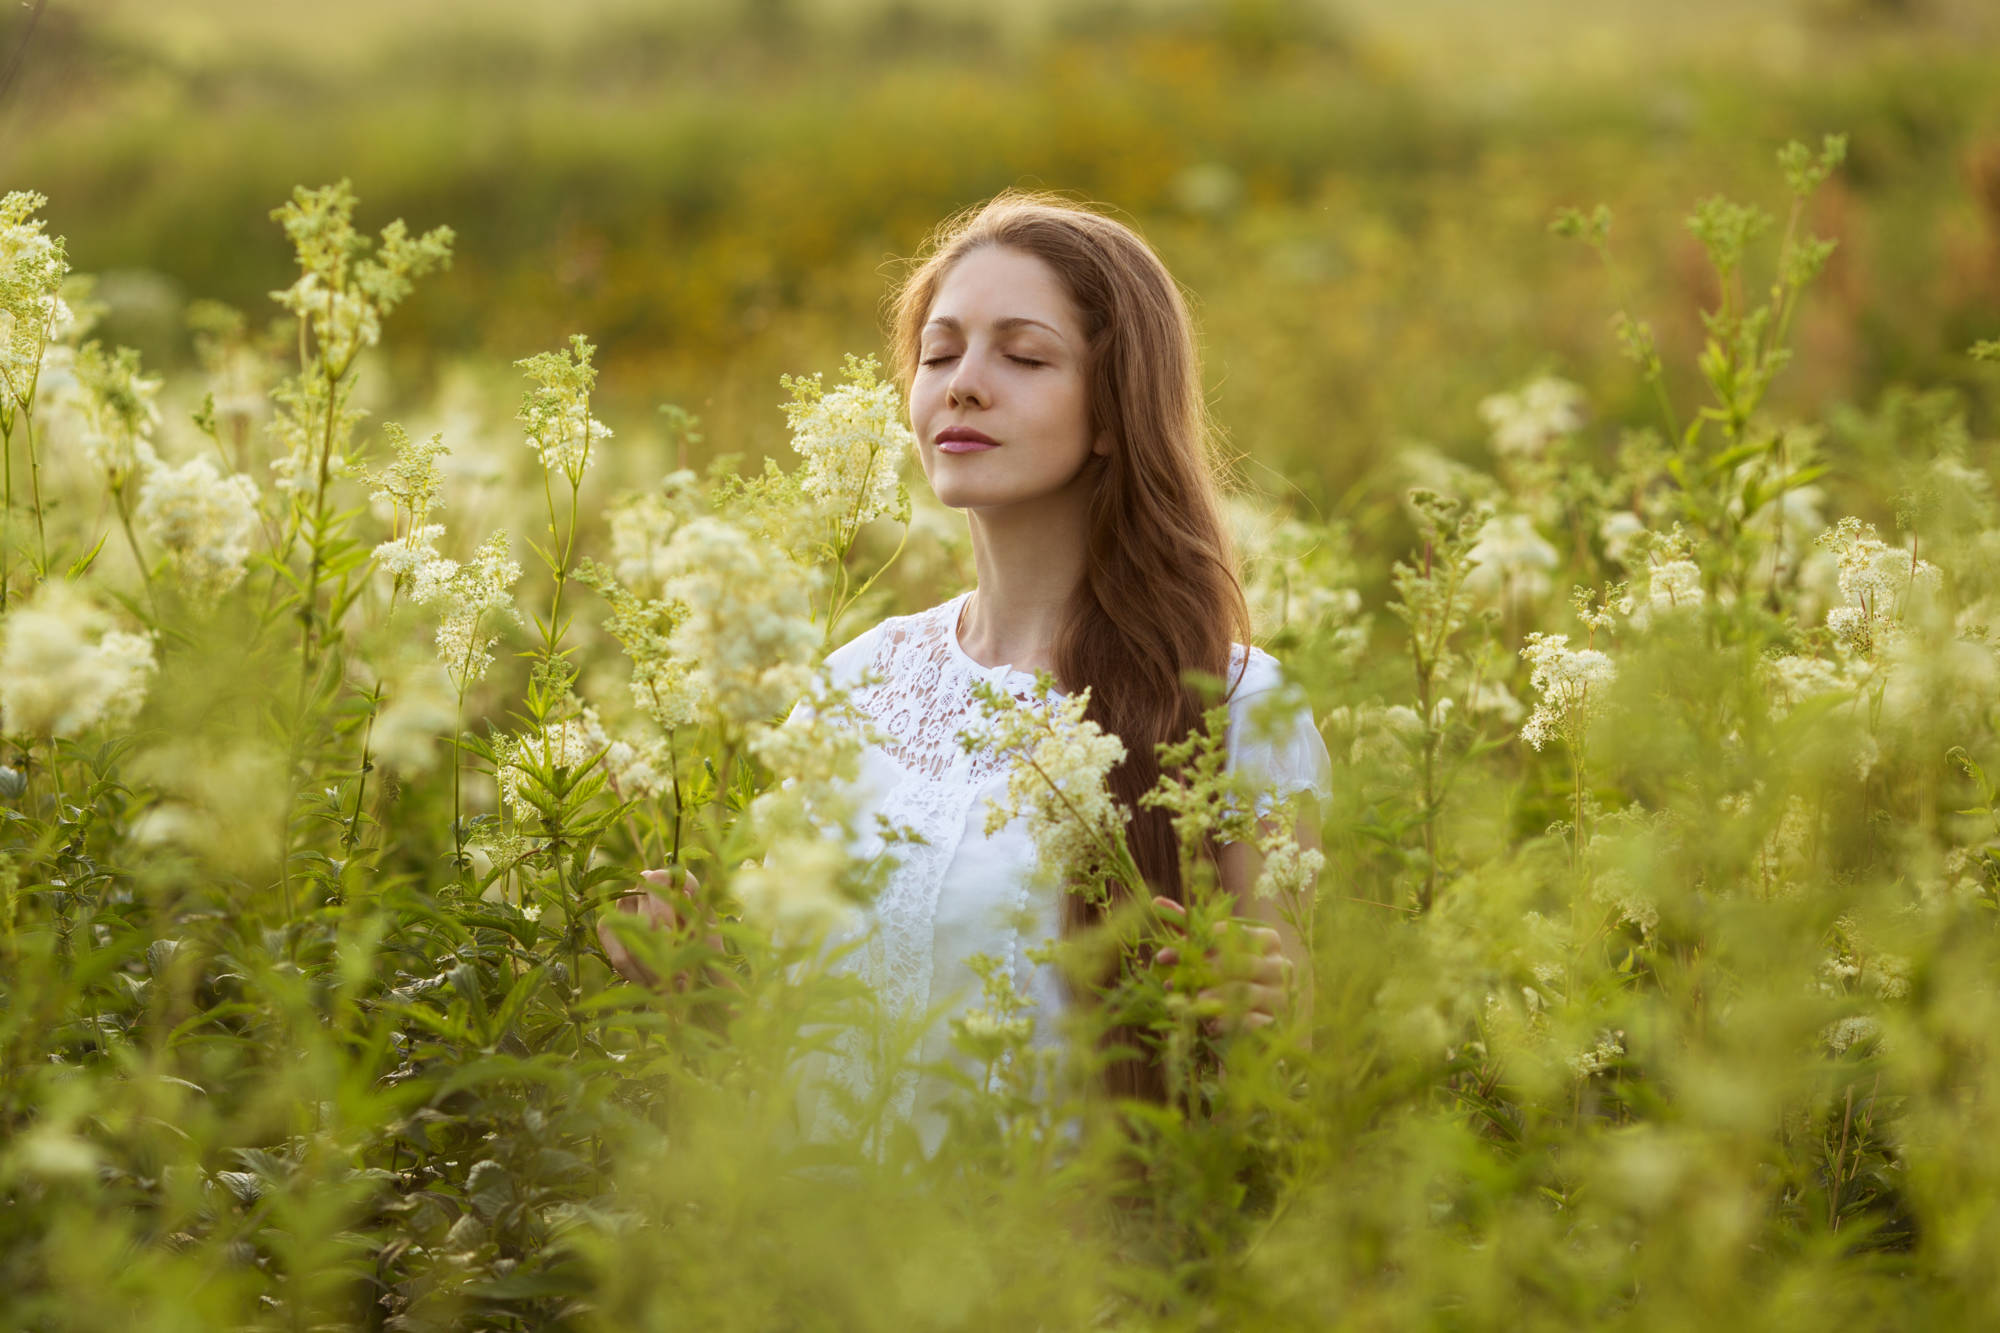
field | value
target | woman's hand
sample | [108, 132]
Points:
[1256, 992]
[660, 913]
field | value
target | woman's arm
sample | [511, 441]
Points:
[1273, 977]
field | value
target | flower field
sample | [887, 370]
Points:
[1654, 917]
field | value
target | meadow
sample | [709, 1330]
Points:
[409, 537]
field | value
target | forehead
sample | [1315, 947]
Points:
[998, 286]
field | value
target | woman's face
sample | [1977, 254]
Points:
[1001, 357]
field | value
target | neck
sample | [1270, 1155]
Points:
[1030, 559]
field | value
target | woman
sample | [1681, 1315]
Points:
[1054, 389]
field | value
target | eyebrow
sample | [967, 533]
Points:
[1010, 322]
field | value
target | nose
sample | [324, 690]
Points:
[966, 388]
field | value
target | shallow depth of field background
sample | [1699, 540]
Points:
[716, 191]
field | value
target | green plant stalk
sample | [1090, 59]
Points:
[132, 541]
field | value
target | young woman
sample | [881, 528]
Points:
[1054, 388]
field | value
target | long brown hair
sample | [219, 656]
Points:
[1159, 596]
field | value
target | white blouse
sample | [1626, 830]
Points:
[959, 892]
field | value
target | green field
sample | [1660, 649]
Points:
[1638, 567]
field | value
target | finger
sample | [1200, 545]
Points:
[1244, 996]
[1270, 971]
[1169, 906]
[1167, 957]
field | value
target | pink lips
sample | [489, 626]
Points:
[964, 440]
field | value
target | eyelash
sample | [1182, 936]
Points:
[1019, 360]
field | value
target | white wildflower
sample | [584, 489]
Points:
[556, 412]
[853, 441]
[1599, 1056]
[202, 521]
[1511, 562]
[642, 525]
[800, 887]
[117, 408]
[1525, 422]
[1572, 683]
[1674, 585]
[1618, 889]
[343, 320]
[1874, 576]
[1060, 763]
[469, 593]
[64, 669]
[1618, 530]
[412, 480]
[747, 635]
[1493, 698]
[32, 267]
[1290, 873]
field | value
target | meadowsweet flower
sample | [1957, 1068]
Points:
[1296, 575]
[343, 321]
[662, 681]
[1526, 422]
[1618, 530]
[1599, 1056]
[1673, 585]
[1060, 764]
[1572, 683]
[642, 525]
[800, 888]
[116, 405]
[64, 669]
[412, 560]
[1874, 576]
[204, 522]
[1511, 561]
[346, 283]
[556, 412]
[469, 593]
[412, 480]
[853, 441]
[1492, 698]
[32, 268]
[746, 634]
[1290, 873]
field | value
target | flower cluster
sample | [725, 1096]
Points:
[1526, 422]
[32, 267]
[64, 669]
[1874, 576]
[746, 633]
[853, 441]
[468, 593]
[1572, 683]
[556, 412]
[203, 521]
[1061, 763]
[118, 411]
[345, 284]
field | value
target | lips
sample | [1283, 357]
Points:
[964, 440]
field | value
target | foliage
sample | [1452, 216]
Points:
[1670, 1000]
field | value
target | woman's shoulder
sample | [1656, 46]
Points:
[1252, 671]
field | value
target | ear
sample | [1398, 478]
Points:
[1101, 446]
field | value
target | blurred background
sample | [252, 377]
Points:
[1356, 192]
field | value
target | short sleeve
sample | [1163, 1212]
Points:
[1273, 739]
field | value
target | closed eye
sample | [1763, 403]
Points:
[1027, 361]
[939, 360]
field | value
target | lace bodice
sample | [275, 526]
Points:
[953, 891]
